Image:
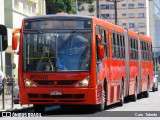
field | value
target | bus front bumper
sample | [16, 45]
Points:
[58, 96]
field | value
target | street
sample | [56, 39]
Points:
[144, 107]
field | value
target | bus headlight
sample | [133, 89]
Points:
[84, 82]
[28, 83]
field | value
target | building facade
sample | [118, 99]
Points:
[132, 14]
[13, 11]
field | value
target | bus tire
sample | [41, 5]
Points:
[157, 88]
[146, 93]
[154, 89]
[121, 95]
[102, 106]
[134, 97]
[39, 108]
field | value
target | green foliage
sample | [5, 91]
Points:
[68, 6]
[55, 6]
[91, 8]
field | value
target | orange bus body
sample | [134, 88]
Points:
[118, 74]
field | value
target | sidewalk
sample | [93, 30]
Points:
[8, 104]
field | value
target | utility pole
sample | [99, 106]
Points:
[97, 2]
[115, 7]
[76, 7]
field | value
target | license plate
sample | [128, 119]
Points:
[56, 93]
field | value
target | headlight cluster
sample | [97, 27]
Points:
[84, 82]
[28, 83]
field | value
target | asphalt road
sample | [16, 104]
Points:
[144, 107]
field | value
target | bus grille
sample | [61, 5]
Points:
[64, 96]
[55, 82]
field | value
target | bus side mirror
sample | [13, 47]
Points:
[99, 38]
[101, 51]
[15, 38]
[14, 42]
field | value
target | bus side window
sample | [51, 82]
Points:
[131, 52]
[107, 44]
[113, 46]
[123, 48]
[118, 47]
[147, 52]
[151, 53]
[142, 50]
[103, 34]
[136, 49]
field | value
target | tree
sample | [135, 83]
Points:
[91, 8]
[68, 6]
[55, 6]
[80, 2]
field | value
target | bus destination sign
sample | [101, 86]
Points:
[58, 24]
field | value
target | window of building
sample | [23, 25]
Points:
[141, 15]
[143, 33]
[124, 24]
[16, 4]
[112, 16]
[124, 14]
[111, 6]
[33, 9]
[130, 6]
[131, 15]
[105, 6]
[123, 5]
[141, 24]
[140, 5]
[131, 25]
[104, 16]
[21, 5]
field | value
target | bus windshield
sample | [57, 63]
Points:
[56, 51]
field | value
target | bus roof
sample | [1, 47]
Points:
[109, 25]
[143, 37]
[59, 16]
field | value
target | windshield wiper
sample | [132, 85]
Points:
[66, 40]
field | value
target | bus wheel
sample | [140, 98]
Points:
[121, 95]
[154, 88]
[39, 108]
[102, 106]
[157, 88]
[134, 97]
[146, 93]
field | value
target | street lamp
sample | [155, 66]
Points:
[115, 7]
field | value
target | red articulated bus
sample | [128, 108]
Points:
[71, 59]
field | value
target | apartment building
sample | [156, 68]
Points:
[132, 14]
[11, 13]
